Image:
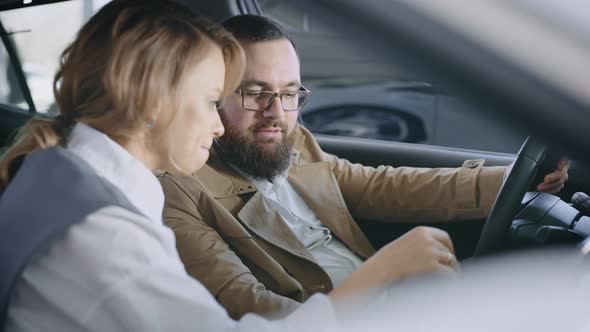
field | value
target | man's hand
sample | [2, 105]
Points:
[554, 182]
[419, 251]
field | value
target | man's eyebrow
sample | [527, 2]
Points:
[265, 84]
[254, 82]
[293, 83]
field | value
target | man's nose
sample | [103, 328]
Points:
[275, 110]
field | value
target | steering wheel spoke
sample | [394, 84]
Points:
[509, 198]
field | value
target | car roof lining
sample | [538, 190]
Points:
[14, 4]
[222, 9]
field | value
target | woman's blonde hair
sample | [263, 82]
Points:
[126, 63]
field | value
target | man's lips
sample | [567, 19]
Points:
[268, 132]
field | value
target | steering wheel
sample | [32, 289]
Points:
[508, 201]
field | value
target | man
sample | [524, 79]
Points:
[271, 219]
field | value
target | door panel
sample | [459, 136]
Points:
[375, 153]
[464, 234]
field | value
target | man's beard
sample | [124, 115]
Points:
[261, 159]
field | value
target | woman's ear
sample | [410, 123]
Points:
[151, 118]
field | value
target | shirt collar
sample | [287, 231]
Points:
[112, 162]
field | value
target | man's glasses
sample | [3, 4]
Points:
[261, 100]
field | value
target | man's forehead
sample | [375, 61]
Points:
[274, 63]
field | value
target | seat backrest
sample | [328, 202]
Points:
[10, 122]
[53, 190]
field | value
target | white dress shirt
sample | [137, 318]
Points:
[119, 271]
[330, 253]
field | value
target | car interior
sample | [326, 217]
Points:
[521, 218]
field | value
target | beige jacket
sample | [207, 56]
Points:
[247, 256]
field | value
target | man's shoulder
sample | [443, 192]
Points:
[214, 179]
[305, 148]
[173, 180]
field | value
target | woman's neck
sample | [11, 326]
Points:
[137, 148]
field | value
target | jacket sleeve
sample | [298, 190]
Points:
[208, 258]
[411, 194]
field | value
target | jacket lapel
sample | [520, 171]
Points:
[261, 219]
[314, 183]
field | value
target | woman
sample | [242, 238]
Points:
[138, 90]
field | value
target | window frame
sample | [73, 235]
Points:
[14, 61]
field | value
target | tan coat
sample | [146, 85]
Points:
[246, 255]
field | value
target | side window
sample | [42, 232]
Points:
[39, 34]
[351, 96]
[11, 92]
[363, 94]
[385, 123]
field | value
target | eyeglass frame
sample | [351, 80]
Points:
[303, 89]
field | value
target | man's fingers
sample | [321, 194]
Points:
[454, 264]
[564, 162]
[560, 174]
[447, 270]
[550, 188]
[441, 251]
[442, 237]
[556, 176]
[448, 259]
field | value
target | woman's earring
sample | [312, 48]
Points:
[150, 125]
